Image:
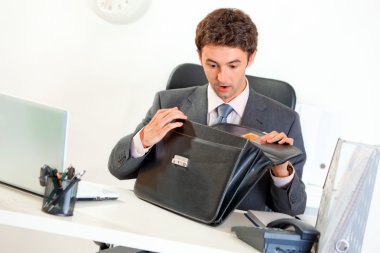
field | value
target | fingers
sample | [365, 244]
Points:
[161, 123]
[166, 116]
[276, 137]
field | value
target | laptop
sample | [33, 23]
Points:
[32, 135]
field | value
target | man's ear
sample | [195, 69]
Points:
[251, 58]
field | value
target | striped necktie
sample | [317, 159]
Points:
[223, 111]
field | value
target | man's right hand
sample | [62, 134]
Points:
[161, 123]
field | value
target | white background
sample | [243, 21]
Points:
[61, 54]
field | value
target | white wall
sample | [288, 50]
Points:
[105, 75]
[60, 53]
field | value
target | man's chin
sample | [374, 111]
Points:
[225, 97]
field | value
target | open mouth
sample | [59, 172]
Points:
[223, 87]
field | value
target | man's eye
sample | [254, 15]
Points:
[233, 66]
[212, 66]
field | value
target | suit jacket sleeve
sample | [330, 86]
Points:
[293, 199]
[121, 164]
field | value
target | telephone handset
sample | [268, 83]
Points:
[282, 235]
[306, 231]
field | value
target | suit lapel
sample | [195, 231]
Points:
[254, 113]
[195, 106]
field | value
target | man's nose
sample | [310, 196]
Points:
[222, 75]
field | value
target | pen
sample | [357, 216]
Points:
[70, 172]
[57, 178]
[49, 205]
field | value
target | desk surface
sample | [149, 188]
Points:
[128, 221]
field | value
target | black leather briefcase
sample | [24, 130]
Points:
[204, 172]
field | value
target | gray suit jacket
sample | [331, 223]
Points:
[261, 113]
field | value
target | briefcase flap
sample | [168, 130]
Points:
[192, 169]
[201, 172]
[276, 153]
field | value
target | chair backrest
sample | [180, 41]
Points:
[190, 74]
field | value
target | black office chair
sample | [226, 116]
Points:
[190, 74]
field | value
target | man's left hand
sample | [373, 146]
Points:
[276, 137]
[281, 170]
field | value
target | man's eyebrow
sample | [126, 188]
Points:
[211, 61]
[234, 61]
[231, 62]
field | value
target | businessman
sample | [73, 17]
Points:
[226, 41]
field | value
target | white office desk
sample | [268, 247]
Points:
[128, 221]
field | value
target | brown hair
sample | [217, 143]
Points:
[227, 27]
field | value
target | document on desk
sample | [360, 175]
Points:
[88, 191]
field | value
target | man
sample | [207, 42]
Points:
[226, 40]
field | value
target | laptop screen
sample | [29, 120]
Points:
[31, 135]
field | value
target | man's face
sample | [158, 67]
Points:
[225, 69]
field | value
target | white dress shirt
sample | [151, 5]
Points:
[238, 104]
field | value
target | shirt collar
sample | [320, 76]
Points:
[238, 103]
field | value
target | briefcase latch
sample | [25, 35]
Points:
[180, 160]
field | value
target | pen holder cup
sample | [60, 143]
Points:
[59, 200]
